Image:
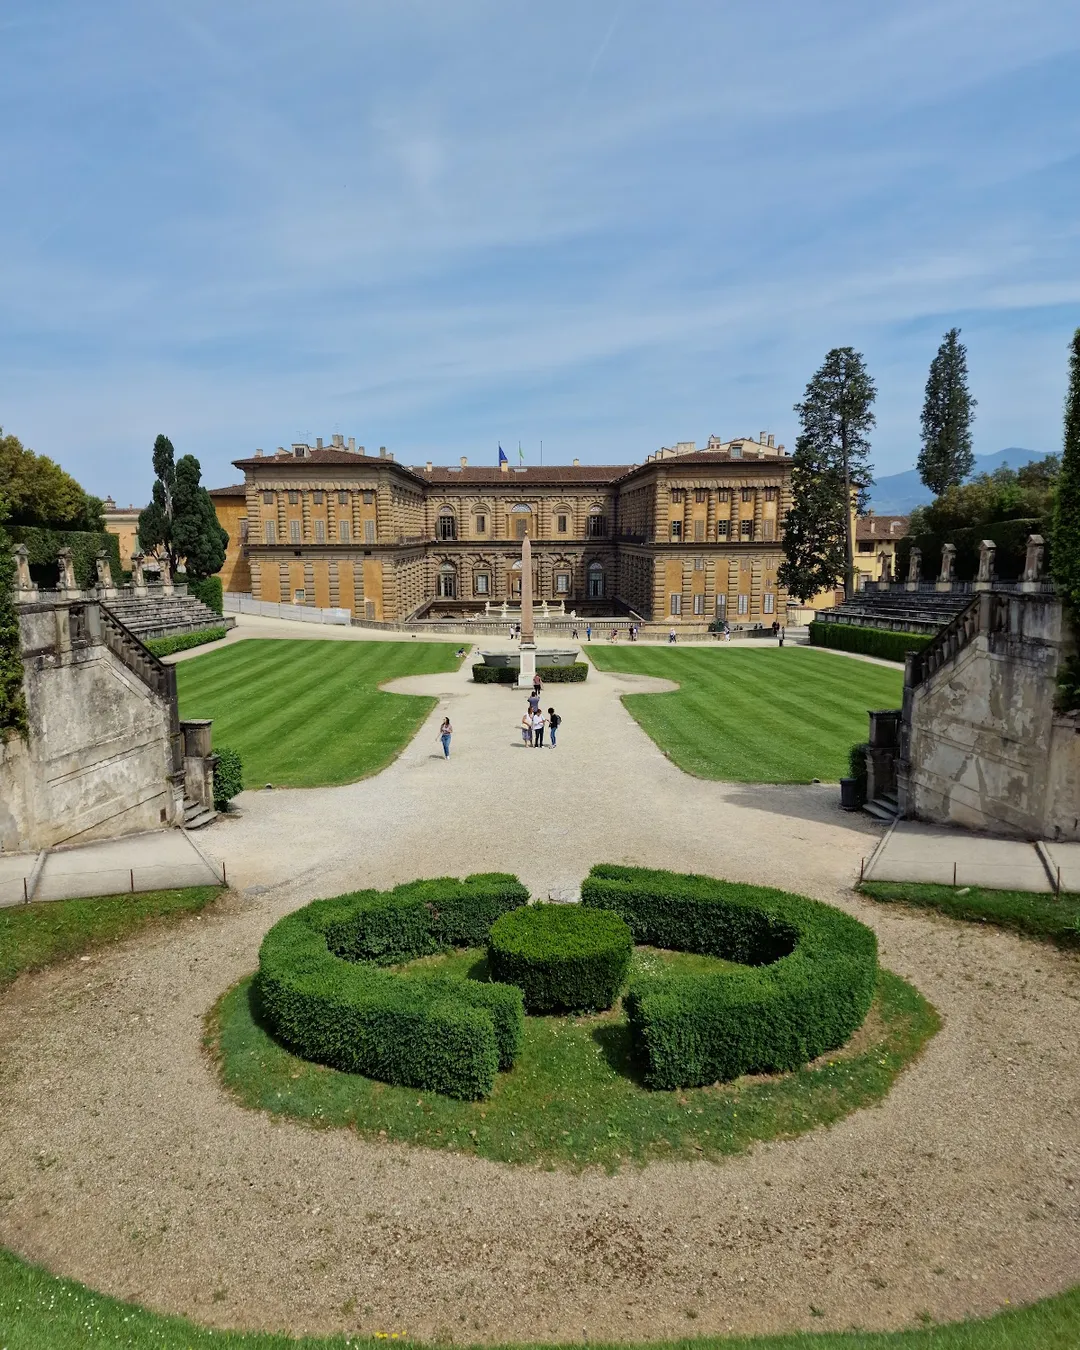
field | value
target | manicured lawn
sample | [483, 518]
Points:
[33, 936]
[310, 713]
[40, 1312]
[755, 714]
[1053, 918]
[573, 1099]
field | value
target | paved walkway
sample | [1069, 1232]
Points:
[159, 860]
[145, 1179]
[913, 851]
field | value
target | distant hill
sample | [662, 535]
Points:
[896, 494]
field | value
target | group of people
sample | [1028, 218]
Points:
[533, 721]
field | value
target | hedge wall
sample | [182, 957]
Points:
[882, 642]
[43, 546]
[483, 674]
[208, 590]
[564, 958]
[810, 977]
[181, 642]
[1011, 537]
[325, 995]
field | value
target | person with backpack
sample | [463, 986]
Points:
[554, 723]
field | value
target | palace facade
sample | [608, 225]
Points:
[685, 537]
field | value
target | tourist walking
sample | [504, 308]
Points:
[575, 637]
[534, 702]
[538, 683]
[782, 636]
[672, 635]
[538, 729]
[554, 723]
[445, 732]
[526, 727]
[588, 632]
[614, 635]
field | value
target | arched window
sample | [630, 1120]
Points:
[448, 582]
[597, 523]
[447, 527]
[596, 581]
[520, 514]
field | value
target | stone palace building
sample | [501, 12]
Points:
[686, 537]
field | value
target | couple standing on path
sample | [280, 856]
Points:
[533, 723]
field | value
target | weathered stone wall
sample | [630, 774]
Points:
[98, 759]
[984, 749]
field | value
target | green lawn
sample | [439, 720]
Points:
[574, 1099]
[33, 936]
[1052, 918]
[40, 1312]
[309, 713]
[755, 714]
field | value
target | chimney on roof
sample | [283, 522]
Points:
[258, 454]
[318, 442]
[772, 442]
[761, 438]
[360, 450]
[338, 440]
[427, 467]
[504, 464]
[390, 456]
[577, 463]
[464, 462]
[352, 445]
[382, 451]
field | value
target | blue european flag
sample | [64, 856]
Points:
[502, 456]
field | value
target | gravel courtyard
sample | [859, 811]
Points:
[124, 1164]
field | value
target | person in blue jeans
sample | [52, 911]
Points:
[554, 722]
[445, 732]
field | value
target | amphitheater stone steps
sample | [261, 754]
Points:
[154, 616]
[910, 611]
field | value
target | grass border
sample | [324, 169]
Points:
[1043, 916]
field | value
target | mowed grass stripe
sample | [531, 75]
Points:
[755, 714]
[309, 712]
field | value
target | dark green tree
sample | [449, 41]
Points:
[180, 521]
[12, 699]
[946, 457]
[830, 473]
[1066, 537]
[39, 492]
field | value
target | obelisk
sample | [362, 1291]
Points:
[528, 636]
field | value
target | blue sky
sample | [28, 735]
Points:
[607, 225]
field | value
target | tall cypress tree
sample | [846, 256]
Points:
[946, 457]
[1066, 537]
[180, 519]
[830, 472]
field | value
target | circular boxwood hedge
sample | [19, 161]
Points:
[807, 981]
[326, 997]
[563, 958]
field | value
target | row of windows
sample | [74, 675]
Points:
[746, 530]
[768, 603]
[724, 494]
[317, 498]
[448, 582]
[446, 526]
[344, 532]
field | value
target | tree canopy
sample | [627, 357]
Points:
[39, 492]
[180, 521]
[1006, 494]
[946, 457]
[830, 474]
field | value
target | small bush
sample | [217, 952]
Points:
[881, 642]
[326, 995]
[564, 674]
[228, 777]
[208, 590]
[182, 642]
[562, 957]
[809, 978]
[484, 674]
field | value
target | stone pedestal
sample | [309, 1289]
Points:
[528, 665]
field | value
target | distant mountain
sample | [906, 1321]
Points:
[897, 493]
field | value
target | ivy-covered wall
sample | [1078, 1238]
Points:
[43, 545]
[12, 699]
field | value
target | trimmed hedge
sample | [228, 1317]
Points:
[43, 547]
[228, 776]
[325, 996]
[881, 642]
[208, 590]
[563, 958]
[484, 674]
[809, 982]
[182, 642]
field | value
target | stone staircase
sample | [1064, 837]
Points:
[161, 615]
[885, 808]
[196, 815]
[898, 609]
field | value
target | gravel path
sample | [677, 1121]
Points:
[124, 1164]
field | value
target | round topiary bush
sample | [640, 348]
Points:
[326, 997]
[562, 957]
[804, 981]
